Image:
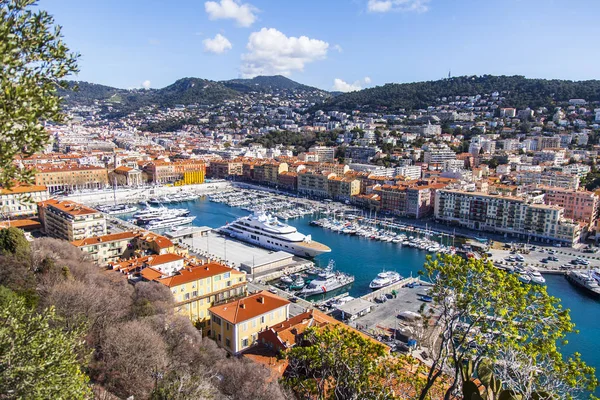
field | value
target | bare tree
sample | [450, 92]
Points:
[151, 298]
[135, 359]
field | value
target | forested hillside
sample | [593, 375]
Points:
[518, 91]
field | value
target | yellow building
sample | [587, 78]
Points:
[21, 200]
[235, 325]
[70, 221]
[191, 178]
[197, 288]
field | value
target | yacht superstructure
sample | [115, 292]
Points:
[266, 231]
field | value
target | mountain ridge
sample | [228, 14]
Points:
[517, 90]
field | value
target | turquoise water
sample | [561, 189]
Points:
[364, 258]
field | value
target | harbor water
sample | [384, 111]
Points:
[364, 258]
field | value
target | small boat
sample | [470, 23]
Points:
[286, 279]
[524, 277]
[297, 284]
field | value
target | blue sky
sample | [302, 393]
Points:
[341, 44]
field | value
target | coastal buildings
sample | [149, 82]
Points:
[548, 178]
[221, 169]
[113, 247]
[70, 221]
[182, 172]
[71, 177]
[506, 215]
[126, 176]
[314, 183]
[578, 205]
[198, 287]
[21, 200]
[235, 325]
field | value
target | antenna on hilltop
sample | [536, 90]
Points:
[449, 73]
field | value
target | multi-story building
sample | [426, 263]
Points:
[506, 215]
[179, 172]
[393, 199]
[198, 287]
[548, 178]
[578, 205]
[21, 200]
[409, 172]
[107, 248]
[71, 177]
[361, 154]
[116, 246]
[221, 169]
[324, 153]
[235, 325]
[288, 180]
[268, 172]
[437, 154]
[343, 188]
[313, 183]
[70, 221]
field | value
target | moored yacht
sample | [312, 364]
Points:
[585, 281]
[384, 279]
[169, 222]
[266, 231]
[327, 281]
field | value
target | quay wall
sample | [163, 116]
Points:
[135, 195]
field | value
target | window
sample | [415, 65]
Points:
[219, 337]
[262, 319]
[254, 323]
[227, 325]
[227, 343]
[186, 296]
[216, 320]
[195, 293]
[244, 326]
[245, 342]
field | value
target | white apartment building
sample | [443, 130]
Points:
[511, 216]
[437, 154]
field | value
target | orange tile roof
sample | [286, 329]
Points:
[197, 272]
[113, 237]
[150, 274]
[123, 168]
[68, 207]
[25, 224]
[22, 188]
[249, 307]
[163, 259]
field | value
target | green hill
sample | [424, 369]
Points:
[268, 83]
[518, 92]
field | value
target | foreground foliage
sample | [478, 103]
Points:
[37, 358]
[126, 339]
[34, 62]
[336, 363]
[486, 314]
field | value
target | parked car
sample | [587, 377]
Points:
[566, 266]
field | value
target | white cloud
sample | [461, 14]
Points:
[242, 13]
[339, 85]
[146, 84]
[217, 45]
[271, 52]
[338, 48]
[383, 6]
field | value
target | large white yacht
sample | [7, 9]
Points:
[266, 231]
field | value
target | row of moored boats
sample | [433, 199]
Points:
[385, 235]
